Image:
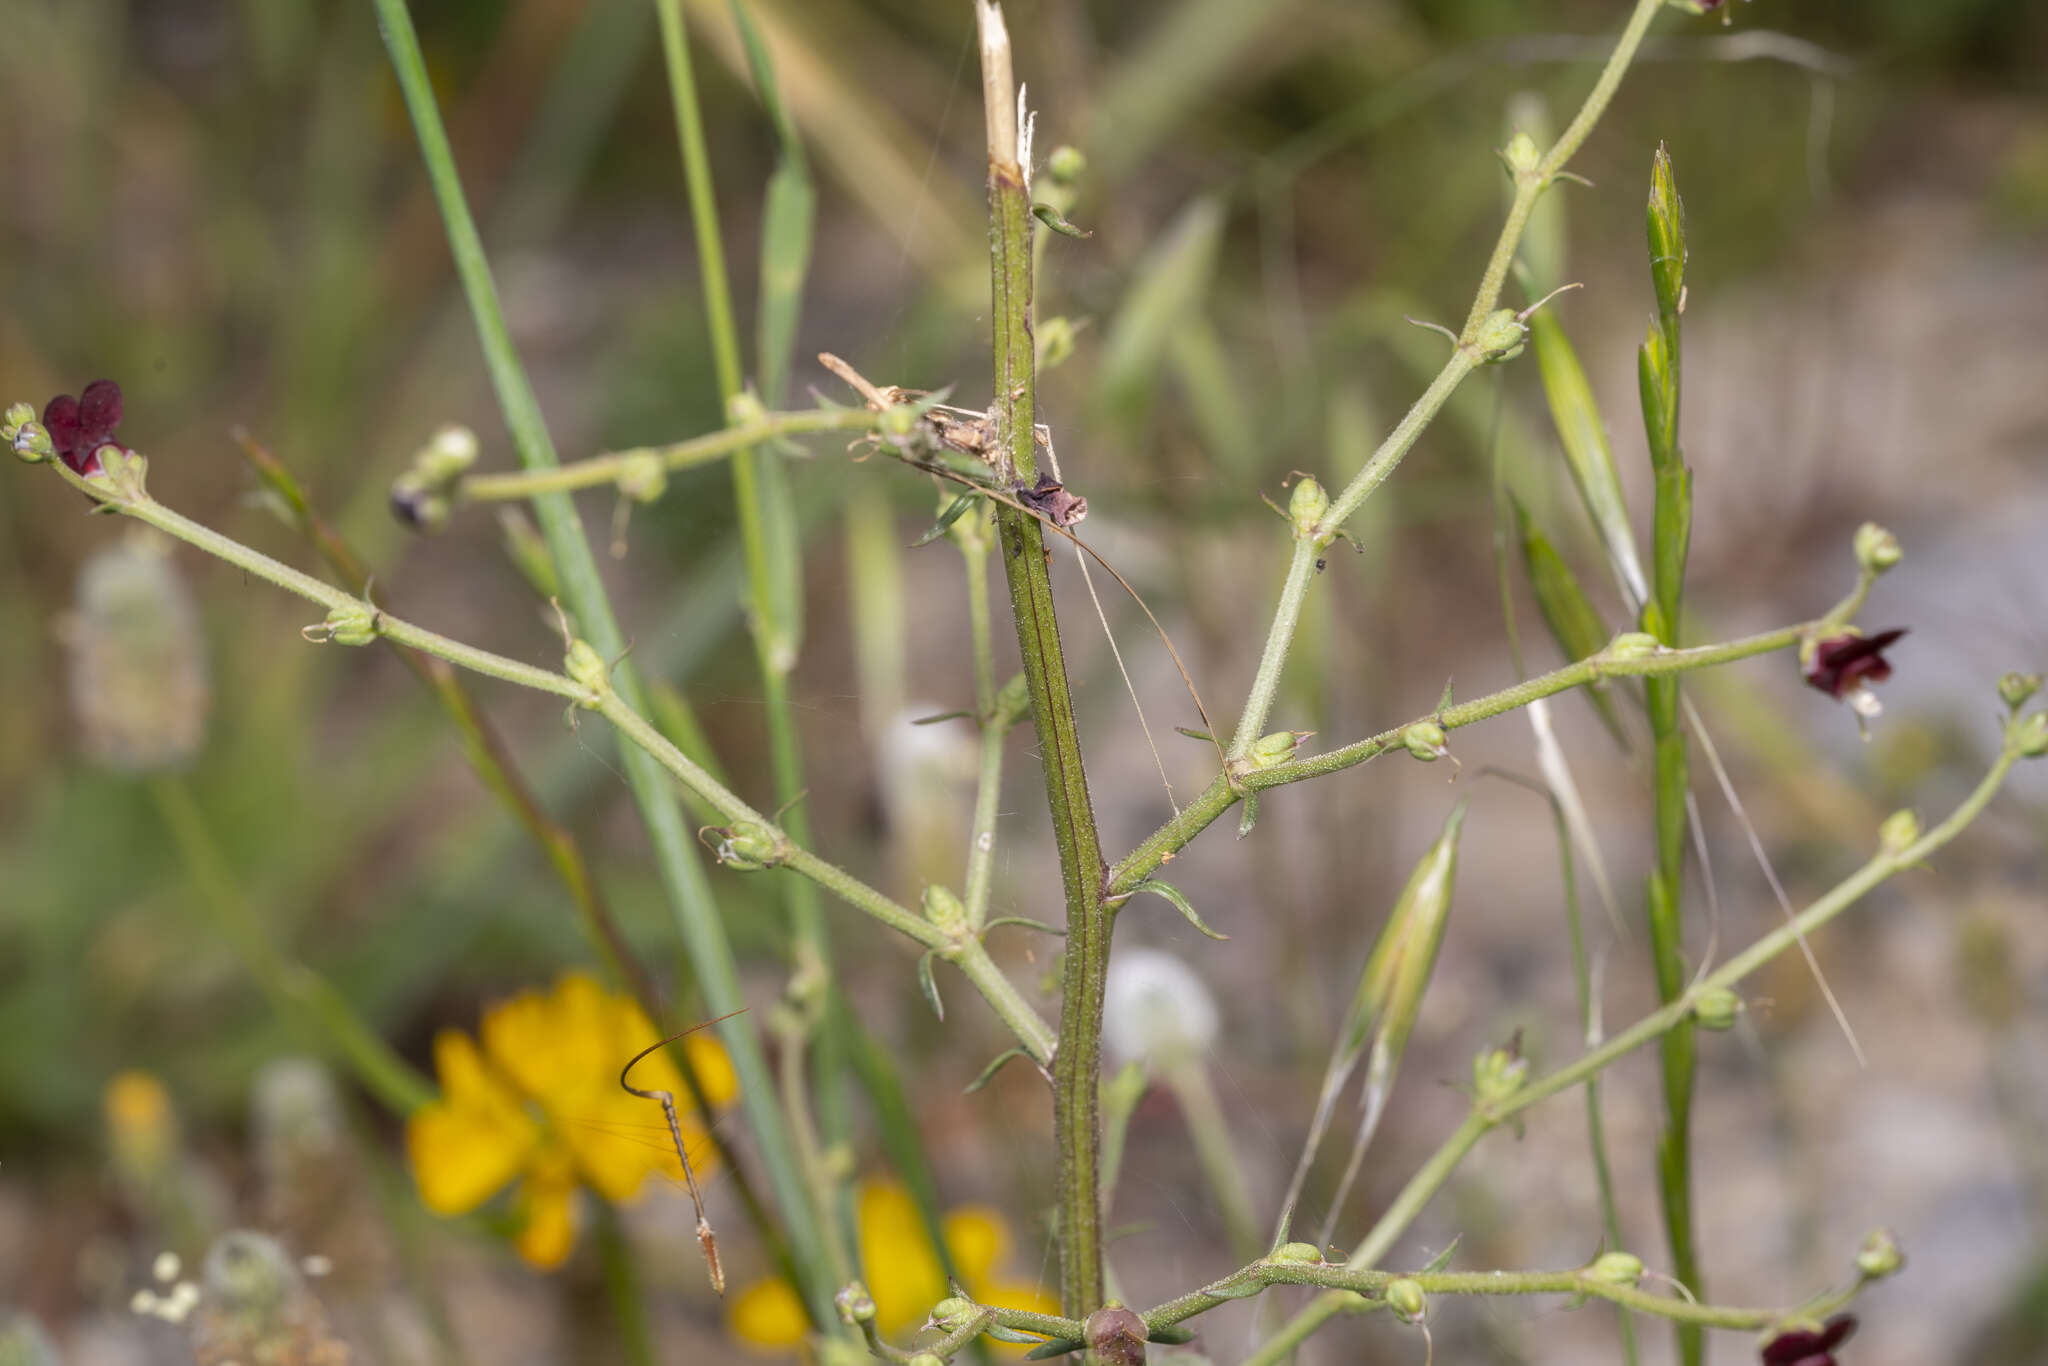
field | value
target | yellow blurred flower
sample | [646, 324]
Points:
[540, 1101]
[901, 1270]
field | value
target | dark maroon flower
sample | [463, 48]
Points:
[1845, 664]
[79, 426]
[1804, 1347]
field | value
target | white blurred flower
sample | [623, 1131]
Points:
[1155, 1009]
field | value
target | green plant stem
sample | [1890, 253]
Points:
[617, 1267]
[973, 961]
[792, 1032]
[1228, 789]
[774, 586]
[1346, 1279]
[682, 875]
[995, 732]
[1465, 357]
[1430, 1178]
[1077, 1061]
[601, 470]
[294, 991]
[485, 749]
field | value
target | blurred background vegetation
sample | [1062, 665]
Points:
[220, 205]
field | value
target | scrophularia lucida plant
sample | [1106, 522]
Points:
[855, 1264]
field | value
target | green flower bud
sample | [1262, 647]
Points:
[1426, 741]
[856, 1306]
[2014, 689]
[1616, 1268]
[951, 1314]
[1296, 1252]
[1876, 549]
[1879, 1256]
[1498, 1073]
[1900, 832]
[1521, 155]
[1115, 1336]
[642, 477]
[1404, 1296]
[746, 847]
[2030, 736]
[355, 624]
[745, 409]
[31, 441]
[19, 415]
[1306, 506]
[1066, 164]
[1633, 645]
[1055, 338]
[449, 452]
[1276, 748]
[944, 909]
[1501, 337]
[586, 666]
[1666, 225]
[1717, 1008]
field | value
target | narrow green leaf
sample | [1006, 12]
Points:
[1442, 1259]
[1057, 1347]
[1002, 1334]
[1057, 221]
[788, 219]
[1586, 448]
[1038, 925]
[927, 985]
[988, 1073]
[1180, 901]
[1574, 622]
[1171, 1334]
[952, 513]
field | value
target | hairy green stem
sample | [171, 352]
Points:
[600, 470]
[1464, 359]
[1227, 790]
[1485, 1117]
[1077, 1061]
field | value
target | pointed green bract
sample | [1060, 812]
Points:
[1586, 448]
[1574, 622]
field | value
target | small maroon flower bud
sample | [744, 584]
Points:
[1809, 1346]
[1115, 1336]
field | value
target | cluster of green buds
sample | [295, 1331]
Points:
[856, 1306]
[424, 495]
